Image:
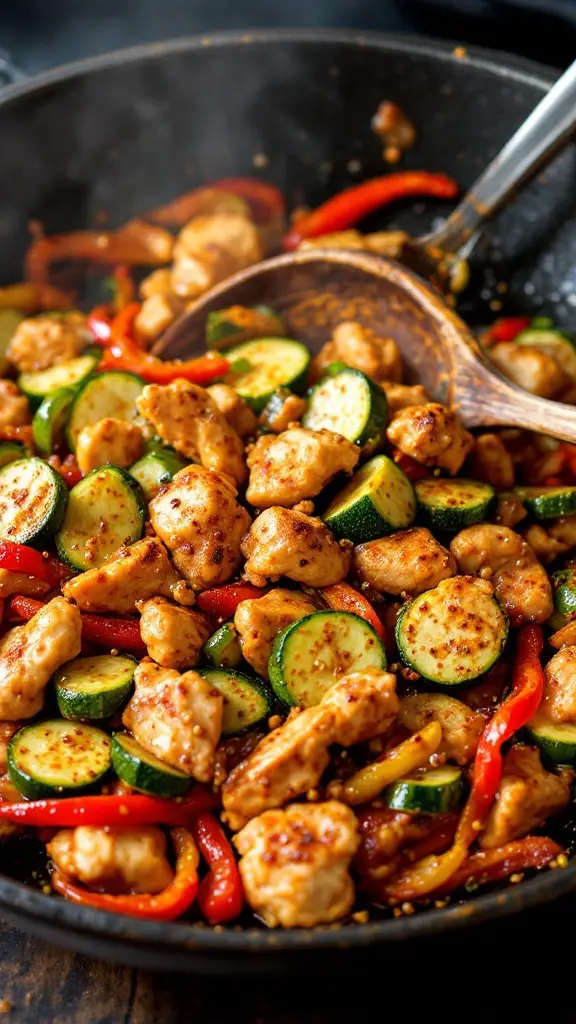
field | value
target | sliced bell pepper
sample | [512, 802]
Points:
[508, 328]
[100, 323]
[266, 202]
[99, 629]
[167, 905]
[413, 470]
[413, 753]
[221, 895]
[20, 558]
[353, 204]
[344, 598]
[22, 434]
[109, 809]
[126, 354]
[96, 246]
[492, 865]
[222, 602]
[125, 289]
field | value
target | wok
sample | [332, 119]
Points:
[128, 131]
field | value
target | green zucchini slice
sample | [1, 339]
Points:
[554, 343]
[274, 363]
[548, 502]
[142, 770]
[557, 740]
[453, 633]
[564, 587]
[155, 469]
[33, 500]
[308, 656]
[106, 394]
[246, 700]
[377, 500]
[11, 451]
[57, 758]
[50, 419]
[225, 327]
[347, 402]
[94, 688]
[70, 374]
[428, 792]
[223, 647]
[105, 510]
[453, 504]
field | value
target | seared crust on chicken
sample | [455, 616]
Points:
[527, 795]
[295, 465]
[257, 623]
[283, 542]
[363, 349]
[431, 434]
[407, 562]
[174, 636]
[116, 859]
[109, 441]
[44, 341]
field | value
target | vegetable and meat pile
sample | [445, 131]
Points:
[277, 632]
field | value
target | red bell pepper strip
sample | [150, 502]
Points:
[413, 470]
[125, 289]
[222, 602]
[127, 355]
[109, 809]
[508, 328]
[266, 202]
[70, 471]
[21, 434]
[99, 629]
[20, 558]
[353, 204]
[221, 895]
[167, 905]
[95, 246]
[100, 323]
[344, 598]
[492, 865]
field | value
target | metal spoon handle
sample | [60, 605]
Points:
[541, 135]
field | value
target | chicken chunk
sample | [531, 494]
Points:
[156, 315]
[295, 864]
[109, 441]
[258, 622]
[402, 396]
[19, 583]
[491, 461]
[291, 760]
[44, 341]
[283, 542]
[282, 411]
[132, 574]
[520, 582]
[527, 796]
[556, 538]
[174, 636]
[200, 521]
[384, 833]
[176, 717]
[363, 349]
[157, 283]
[186, 417]
[431, 434]
[531, 369]
[559, 701]
[295, 465]
[14, 406]
[461, 726]
[407, 562]
[116, 859]
[234, 409]
[30, 655]
[211, 248]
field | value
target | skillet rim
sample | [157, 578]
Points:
[21, 898]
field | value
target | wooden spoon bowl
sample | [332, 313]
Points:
[315, 290]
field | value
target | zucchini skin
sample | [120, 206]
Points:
[442, 516]
[38, 384]
[88, 705]
[49, 419]
[11, 451]
[373, 431]
[163, 464]
[35, 787]
[36, 534]
[416, 795]
[361, 520]
[556, 741]
[145, 772]
[78, 561]
[223, 647]
[564, 587]
[550, 503]
[76, 421]
[231, 722]
[295, 382]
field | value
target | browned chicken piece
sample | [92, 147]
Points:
[109, 441]
[156, 315]
[177, 717]
[402, 396]
[527, 796]
[186, 417]
[174, 636]
[157, 283]
[200, 521]
[394, 129]
[431, 434]
[385, 243]
[530, 368]
[407, 562]
[383, 834]
[44, 341]
[520, 582]
[257, 623]
[295, 864]
[559, 701]
[14, 406]
[211, 248]
[116, 859]
[552, 540]
[361, 348]
[286, 413]
[234, 409]
[289, 467]
[461, 727]
[491, 461]
[133, 574]
[291, 759]
[19, 583]
[282, 542]
[510, 511]
[30, 655]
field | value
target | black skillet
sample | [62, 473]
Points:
[128, 131]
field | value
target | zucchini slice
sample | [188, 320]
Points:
[155, 469]
[454, 504]
[57, 758]
[377, 500]
[548, 502]
[246, 700]
[564, 587]
[453, 633]
[105, 510]
[9, 321]
[557, 740]
[142, 770]
[33, 501]
[96, 687]
[347, 402]
[50, 419]
[236, 324]
[428, 792]
[11, 451]
[308, 656]
[274, 363]
[107, 394]
[223, 647]
[554, 343]
[70, 374]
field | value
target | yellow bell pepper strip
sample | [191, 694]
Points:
[414, 752]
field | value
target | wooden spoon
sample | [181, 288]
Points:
[316, 289]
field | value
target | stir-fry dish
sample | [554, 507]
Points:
[279, 636]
